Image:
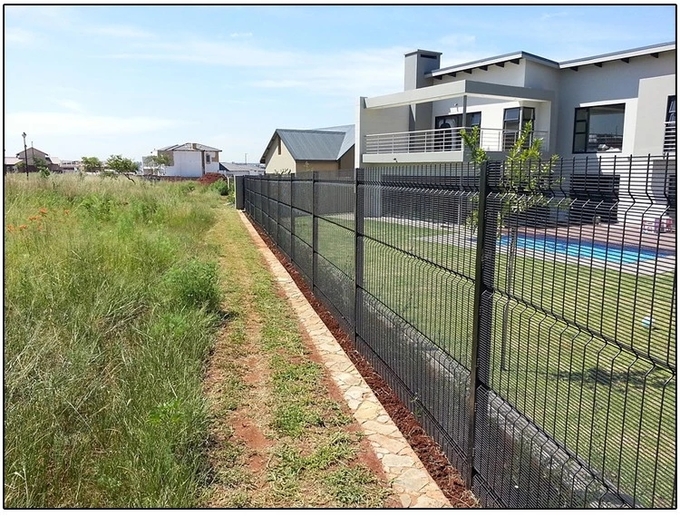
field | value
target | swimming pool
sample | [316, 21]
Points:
[584, 250]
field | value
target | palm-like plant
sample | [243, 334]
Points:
[525, 178]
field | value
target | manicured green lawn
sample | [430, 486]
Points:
[579, 363]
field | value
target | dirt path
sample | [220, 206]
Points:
[249, 455]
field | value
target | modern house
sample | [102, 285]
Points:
[296, 150]
[189, 160]
[617, 104]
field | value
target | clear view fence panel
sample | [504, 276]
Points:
[524, 313]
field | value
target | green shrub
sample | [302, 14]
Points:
[194, 284]
[222, 187]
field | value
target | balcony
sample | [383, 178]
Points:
[437, 144]
[669, 141]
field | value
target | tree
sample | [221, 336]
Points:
[159, 162]
[41, 166]
[117, 165]
[524, 178]
[92, 164]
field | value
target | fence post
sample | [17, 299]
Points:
[315, 230]
[358, 250]
[292, 218]
[477, 402]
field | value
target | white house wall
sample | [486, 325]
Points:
[189, 163]
[371, 121]
[651, 113]
[185, 164]
[214, 165]
[615, 82]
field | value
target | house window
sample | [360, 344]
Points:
[599, 129]
[207, 158]
[669, 140]
[278, 146]
[449, 138]
[513, 121]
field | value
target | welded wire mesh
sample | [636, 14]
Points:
[560, 390]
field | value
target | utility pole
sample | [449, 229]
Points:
[25, 154]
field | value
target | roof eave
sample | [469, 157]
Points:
[615, 56]
[490, 61]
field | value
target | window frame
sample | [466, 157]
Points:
[510, 136]
[586, 125]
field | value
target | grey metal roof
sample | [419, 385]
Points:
[516, 56]
[312, 145]
[325, 144]
[240, 167]
[495, 60]
[189, 147]
[623, 54]
[348, 142]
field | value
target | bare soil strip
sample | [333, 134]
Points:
[248, 456]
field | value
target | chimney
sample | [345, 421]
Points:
[416, 65]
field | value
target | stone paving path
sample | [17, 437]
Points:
[409, 478]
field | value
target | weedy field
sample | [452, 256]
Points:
[114, 303]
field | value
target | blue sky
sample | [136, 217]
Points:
[101, 80]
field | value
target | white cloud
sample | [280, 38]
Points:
[20, 36]
[81, 124]
[241, 35]
[71, 105]
[119, 31]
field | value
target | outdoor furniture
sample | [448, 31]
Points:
[658, 225]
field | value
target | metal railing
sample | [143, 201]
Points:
[441, 140]
[669, 141]
[526, 317]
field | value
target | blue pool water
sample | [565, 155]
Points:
[613, 253]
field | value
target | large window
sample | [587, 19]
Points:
[513, 121]
[449, 138]
[599, 129]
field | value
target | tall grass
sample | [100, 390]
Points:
[111, 304]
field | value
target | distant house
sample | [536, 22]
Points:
[11, 164]
[32, 154]
[70, 165]
[189, 160]
[296, 150]
[241, 169]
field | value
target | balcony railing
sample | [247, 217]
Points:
[669, 141]
[441, 140]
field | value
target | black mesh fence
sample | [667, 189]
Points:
[525, 314]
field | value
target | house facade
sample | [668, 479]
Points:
[190, 160]
[296, 150]
[617, 104]
[32, 155]
[622, 102]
